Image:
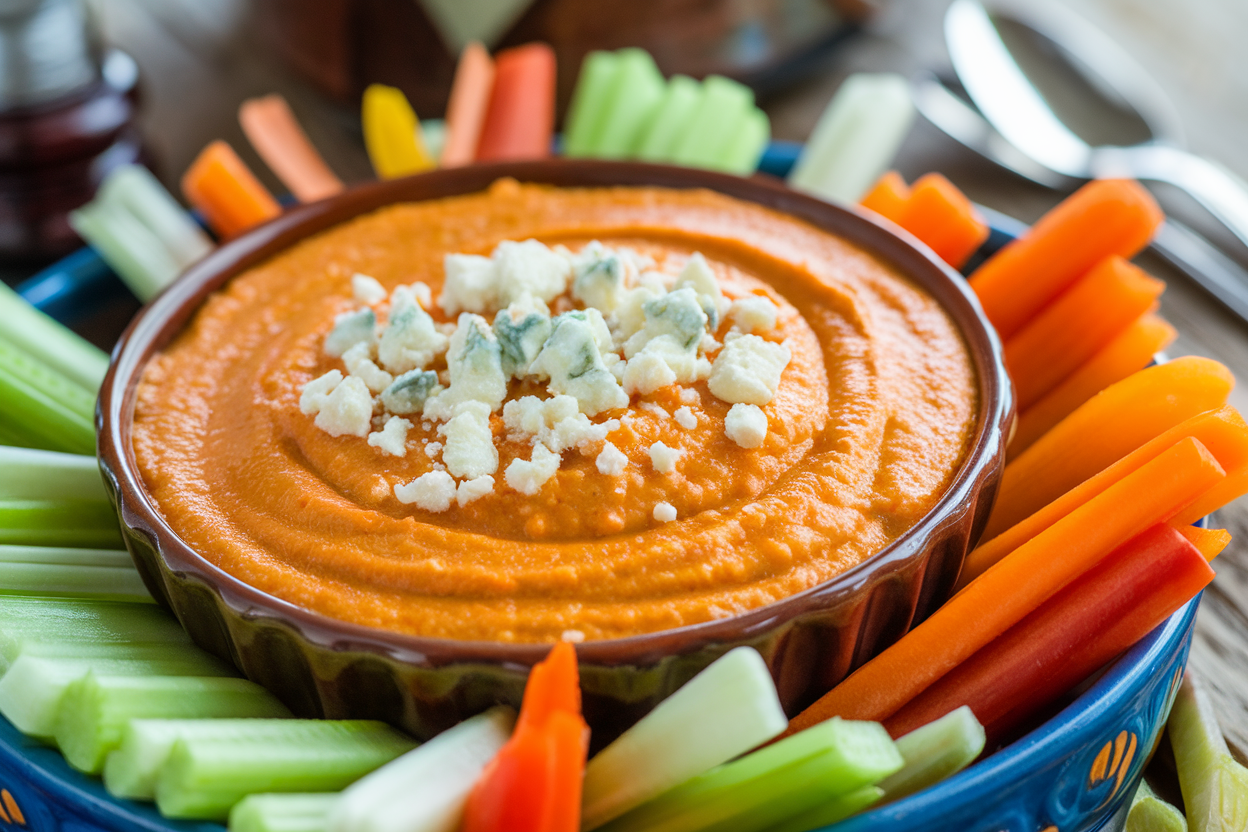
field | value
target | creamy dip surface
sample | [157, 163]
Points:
[867, 427]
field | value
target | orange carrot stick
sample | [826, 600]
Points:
[1103, 430]
[221, 186]
[274, 132]
[1083, 320]
[942, 217]
[1210, 542]
[1131, 350]
[465, 112]
[1223, 432]
[520, 119]
[888, 197]
[1109, 216]
[1016, 586]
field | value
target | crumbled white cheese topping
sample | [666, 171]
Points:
[754, 314]
[746, 424]
[393, 437]
[316, 392]
[432, 449]
[350, 328]
[572, 359]
[747, 370]
[359, 361]
[367, 290]
[410, 340]
[469, 450]
[432, 491]
[347, 410]
[686, 418]
[664, 512]
[528, 476]
[664, 458]
[690, 395]
[611, 461]
[478, 284]
[573, 636]
[474, 489]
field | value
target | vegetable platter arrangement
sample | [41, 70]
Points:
[1090, 552]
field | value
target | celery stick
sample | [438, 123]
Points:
[52, 626]
[834, 811]
[134, 189]
[205, 776]
[282, 813]
[635, 94]
[74, 523]
[29, 474]
[770, 786]
[588, 107]
[75, 573]
[1215, 787]
[746, 146]
[1149, 813]
[671, 118]
[43, 406]
[935, 751]
[32, 691]
[95, 709]
[720, 714]
[134, 252]
[720, 114]
[50, 342]
[425, 790]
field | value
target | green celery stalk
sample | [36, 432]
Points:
[425, 790]
[742, 153]
[670, 120]
[770, 786]
[50, 342]
[935, 751]
[29, 474]
[32, 691]
[96, 709]
[48, 626]
[205, 776]
[834, 811]
[133, 188]
[67, 523]
[282, 813]
[722, 112]
[1215, 787]
[1149, 813]
[128, 246]
[723, 712]
[44, 407]
[632, 99]
[588, 109]
[82, 573]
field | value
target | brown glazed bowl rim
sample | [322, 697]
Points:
[158, 323]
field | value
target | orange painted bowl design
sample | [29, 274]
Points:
[325, 667]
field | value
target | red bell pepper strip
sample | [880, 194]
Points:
[534, 784]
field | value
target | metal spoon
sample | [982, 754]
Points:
[1010, 101]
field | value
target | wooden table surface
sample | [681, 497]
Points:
[199, 60]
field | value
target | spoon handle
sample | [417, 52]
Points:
[1200, 260]
[1220, 191]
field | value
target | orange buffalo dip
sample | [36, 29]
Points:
[536, 413]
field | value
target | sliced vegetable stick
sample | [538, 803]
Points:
[723, 110]
[1096, 617]
[465, 112]
[392, 133]
[282, 812]
[671, 119]
[221, 186]
[1131, 350]
[520, 120]
[275, 133]
[1149, 813]
[51, 342]
[1214, 785]
[1232, 488]
[746, 146]
[1210, 542]
[133, 188]
[943, 218]
[588, 108]
[934, 751]
[1103, 430]
[635, 94]
[888, 197]
[1072, 329]
[1018, 585]
[1223, 432]
[1108, 216]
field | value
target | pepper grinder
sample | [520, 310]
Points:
[67, 111]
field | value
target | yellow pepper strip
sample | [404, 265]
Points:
[392, 134]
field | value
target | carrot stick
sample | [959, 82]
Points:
[465, 112]
[520, 119]
[225, 190]
[1015, 587]
[1223, 432]
[1067, 638]
[1210, 542]
[1131, 350]
[1103, 430]
[1072, 329]
[392, 133]
[274, 132]
[942, 217]
[1109, 216]
[888, 197]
